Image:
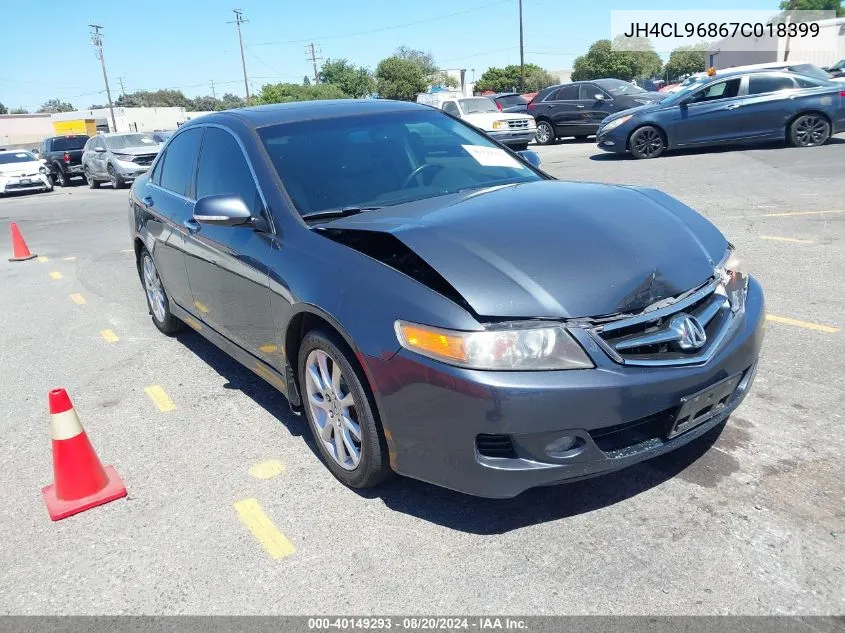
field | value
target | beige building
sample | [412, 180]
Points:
[24, 130]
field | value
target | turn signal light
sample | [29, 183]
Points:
[842, 93]
[436, 342]
[67, 157]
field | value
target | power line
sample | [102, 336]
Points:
[386, 28]
[238, 21]
[97, 41]
[313, 57]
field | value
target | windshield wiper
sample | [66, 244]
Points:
[337, 213]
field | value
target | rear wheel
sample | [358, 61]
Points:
[647, 142]
[545, 133]
[339, 411]
[116, 181]
[156, 297]
[809, 130]
[60, 178]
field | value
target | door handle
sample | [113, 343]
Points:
[147, 200]
[733, 106]
[192, 225]
[578, 106]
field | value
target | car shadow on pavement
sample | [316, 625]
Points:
[717, 149]
[477, 515]
[254, 387]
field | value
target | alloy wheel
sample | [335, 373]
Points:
[334, 411]
[115, 182]
[648, 143]
[543, 133]
[811, 130]
[155, 292]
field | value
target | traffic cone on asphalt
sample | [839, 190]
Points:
[79, 480]
[20, 250]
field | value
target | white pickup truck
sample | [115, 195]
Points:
[511, 129]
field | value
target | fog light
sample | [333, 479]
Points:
[563, 446]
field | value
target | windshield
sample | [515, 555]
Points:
[477, 104]
[618, 87]
[810, 70]
[67, 143]
[123, 141]
[385, 158]
[163, 136]
[7, 158]
[511, 100]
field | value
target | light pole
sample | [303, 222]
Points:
[97, 41]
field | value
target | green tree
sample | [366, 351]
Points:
[353, 81]
[813, 5]
[97, 106]
[306, 80]
[154, 99]
[685, 60]
[56, 105]
[602, 61]
[285, 92]
[507, 79]
[647, 62]
[205, 103]
[3, 109]
[19, 110]
[424, 60]
[400, 78]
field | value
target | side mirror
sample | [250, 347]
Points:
[223, 210]
[599, 97]
[100, 150]
[530, 157]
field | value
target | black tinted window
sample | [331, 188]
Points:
[510, 101]
[223, 169]
[567, 93]
[67, 143]
[758, 84]
[178, 163]
[589, 91]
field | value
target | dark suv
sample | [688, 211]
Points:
[63, 155]
[509, 102]
[577, 108]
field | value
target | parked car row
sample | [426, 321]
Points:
[20, 171]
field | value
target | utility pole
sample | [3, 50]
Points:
[789, 19]
[122, 91]
[521, 53]
[213, 94]
[97, 41]
[238, 21]
[312, 55]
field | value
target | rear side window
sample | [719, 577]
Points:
[567, 93]
[806, 82]
[511, 100]
[67, 143]
[223, 169]
[760, 84]
[177, 165]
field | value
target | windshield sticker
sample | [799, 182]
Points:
[492, 156]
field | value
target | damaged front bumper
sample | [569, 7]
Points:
[496, 434]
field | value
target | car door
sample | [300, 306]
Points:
[595, 109]
[227, 265]
[769, 101]
[708, 114]
[95, 157]
[565, 109]
[165, 200]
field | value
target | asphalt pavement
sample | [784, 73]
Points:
[230, 511]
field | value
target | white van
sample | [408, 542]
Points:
[511, 129]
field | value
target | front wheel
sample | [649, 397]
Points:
[647, 142]
[809, 130]
[116, 181]
[156, 297]
[339, 411]
[545, 133]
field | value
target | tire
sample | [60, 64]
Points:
[545, 133]
[336, 420]
[60, 178]
[809, 130]
[93, 183]
[520, 148]
[647, 142]
[158, 304]
[116, 181]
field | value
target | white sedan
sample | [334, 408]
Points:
[22, 171]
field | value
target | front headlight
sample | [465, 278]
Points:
[616, 123]
[734, 279]
[500, 125]
[529, 348]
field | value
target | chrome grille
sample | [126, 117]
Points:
[144, 159]
[659, 337]
[518, 124]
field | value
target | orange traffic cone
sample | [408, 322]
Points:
[79, 480]
[19, 248]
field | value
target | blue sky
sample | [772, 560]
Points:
[185, 44]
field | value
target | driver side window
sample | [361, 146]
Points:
[717, 91]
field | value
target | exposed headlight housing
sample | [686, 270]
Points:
[734, 279]
[43, 170]
[500, 125]
[535, 348]
[616, 123]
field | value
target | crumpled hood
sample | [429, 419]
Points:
[556, 249]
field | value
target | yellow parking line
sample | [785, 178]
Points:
[776, 238]
[109, 336]
[783, 215]
[263, 529]
[805, 324]
[78, 299]
[269, 349]
[56, 274]
[43, 259]
[267, 469]
[69, 259]
[201, 307]
[160, 398]
[193, 323]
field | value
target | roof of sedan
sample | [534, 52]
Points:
[259, 116]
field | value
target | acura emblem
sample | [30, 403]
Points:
[691, 334]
